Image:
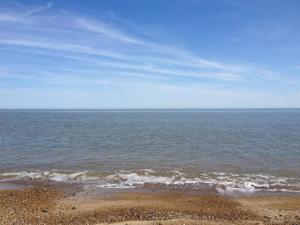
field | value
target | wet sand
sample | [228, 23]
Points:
[54, 204]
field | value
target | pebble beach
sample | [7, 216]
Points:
[53, 204]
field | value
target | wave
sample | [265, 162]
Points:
[223, 182]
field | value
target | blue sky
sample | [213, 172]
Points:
[149, 54]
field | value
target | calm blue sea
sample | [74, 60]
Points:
[246, 150]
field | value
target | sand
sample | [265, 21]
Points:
[51, 205]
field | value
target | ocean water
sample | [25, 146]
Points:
[233, 150]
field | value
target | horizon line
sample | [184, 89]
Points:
[158, 108]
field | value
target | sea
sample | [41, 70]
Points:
[232, 150]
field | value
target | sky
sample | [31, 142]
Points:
[150, 54]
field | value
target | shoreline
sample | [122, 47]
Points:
[225, 183]
[199, 188]
[53, 203]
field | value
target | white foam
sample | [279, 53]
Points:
[123, 180]
[224, 182]
[50, 175]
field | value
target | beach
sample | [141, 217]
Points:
[63, 204]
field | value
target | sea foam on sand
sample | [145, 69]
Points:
[223, 182]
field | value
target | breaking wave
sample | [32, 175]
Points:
[222, 182]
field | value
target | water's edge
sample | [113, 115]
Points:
[223, 183]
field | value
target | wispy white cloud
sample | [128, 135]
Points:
[60, 47]
[105, 47]
[182, 57]
[38, 9]
[104, 29]
[23, 15]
